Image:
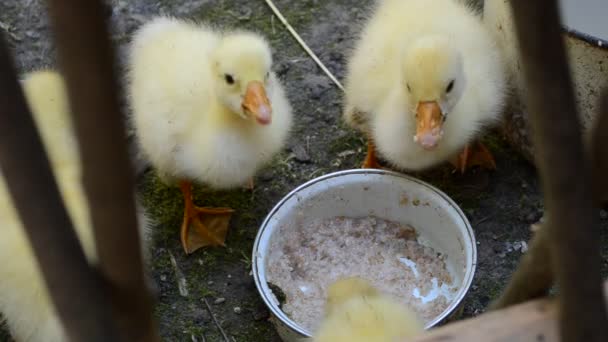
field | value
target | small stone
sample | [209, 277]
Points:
[300, 154]
[261, 314]
[474, 287]
[163, 277]
[219, 300]
[603, 214]
[346, 153]
[502, 255]
[229, 276]
[200, 262]
[531, 217]
[266, 175]
[200, 315]
[210, 282]
[282, 68]
[535, 227]
[32, 34]
[517, 246]
[245, 15]
[336, 56]
[237, 310]
[494, 237]
[316, 84]
[140, 19]
[524, 246]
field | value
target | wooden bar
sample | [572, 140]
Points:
[531, 321]
[87, 60]
[564, 170]
[75, 288]
[599, 150]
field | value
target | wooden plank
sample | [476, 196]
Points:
[531, 321]
[33, 189]
[86, 57]
[564, 170]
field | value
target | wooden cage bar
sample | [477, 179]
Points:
[112, 304]
[86, 57]
[599, 151]
[76, 290]
[571, 230]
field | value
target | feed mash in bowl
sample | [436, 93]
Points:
[404, 236]
[305, 260]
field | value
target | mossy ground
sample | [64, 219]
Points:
[500, 205]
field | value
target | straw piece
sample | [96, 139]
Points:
[303, 44]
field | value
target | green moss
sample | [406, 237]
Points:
[165, 203]
[494, 142]
[254, 332]
[350, 141]
[279, 294]
[493, 289]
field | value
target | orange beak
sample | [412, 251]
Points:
[256, 103]
[429, 124]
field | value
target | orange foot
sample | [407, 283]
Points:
[371, 162]
[475, 154]
[202, 227]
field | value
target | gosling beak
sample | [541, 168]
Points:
[429, 124]
[256, 103]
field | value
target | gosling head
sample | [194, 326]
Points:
[345, 289]
[434, 81]
[242, 70]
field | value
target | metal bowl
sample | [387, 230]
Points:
[385, 194]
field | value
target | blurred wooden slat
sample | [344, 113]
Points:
[564, 170]
[75, 289]
[599, 150]
[531, 321]
[86, 58]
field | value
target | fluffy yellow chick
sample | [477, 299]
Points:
[357, 312]
[424, 79]
[24, 299]
[206, 108]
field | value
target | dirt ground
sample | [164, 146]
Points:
[501, 205]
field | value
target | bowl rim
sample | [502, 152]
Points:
[282, 316]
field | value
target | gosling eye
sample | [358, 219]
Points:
[408, 87]
[229, 79]
[450, 86]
